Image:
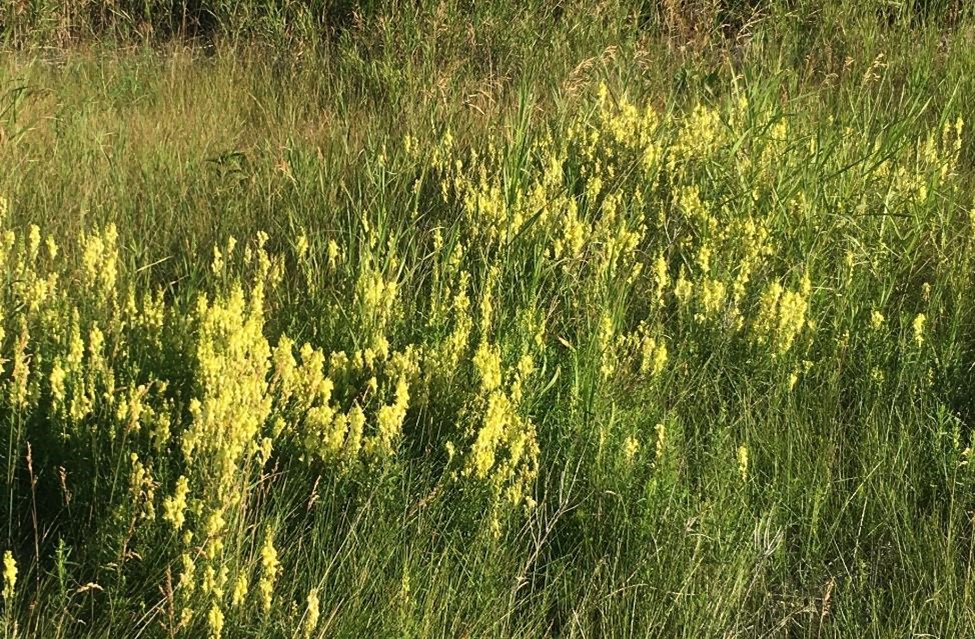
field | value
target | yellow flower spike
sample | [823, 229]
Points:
[743, 462]
[209, 583]
[648, 347]
[318, 424]
[233, 367]
[605, 337]
[33, 241]
[20, 372]
[661, 444]
[186, 616]
[7, 239]
[380, 346]
[782, 315]
[711, 297]
[142, 488]
[187, 578]
[263, 450]
[660, 356]
[487, 302]
[574, 232]
[270, 570]
[768, 310]
[490, 434]
[516, 393]
[631, 446]
[57, 381]
[526, 366]
[876, 320]
[9, 576]
[312, 612]
[52, 248]
[301, 246]
[239, 594]
[661, 278]
[100, 262]
[653, 356]
[334, 254]
[683, 289]
[389, 425]
[217, 263]
[174, 507]
[284, 366]
[368, 358]
[487, 363]
[918, 328]
[215, 620]
[704, 259]
[356, 426]
[335, 435]
[215, 525]
[792, 317]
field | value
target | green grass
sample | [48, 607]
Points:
[798, 466]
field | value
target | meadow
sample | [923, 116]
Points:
[486, 319]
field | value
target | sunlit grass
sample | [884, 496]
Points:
[654, 332]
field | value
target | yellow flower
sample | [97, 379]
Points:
[704, 259]
[215, 619]
[52, 247]
[33, 241]
[239, 594]
[174, 507]
[631, 446]
[57, 379]
[21, 369]
[743, 462]
[390, 419]
[487, 362]
[186, 578]
[792, 317]
[233, 362]
[782, 315]
[490, 435]
[876, 320]
[9, 575]
[334, 253]
[712, 296]
[683, 288]
[311, 614]
[661, 278]
[654, 356]
[270, 569]
[918, 326]
[661, 444]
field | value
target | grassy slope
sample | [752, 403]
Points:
[853, 516]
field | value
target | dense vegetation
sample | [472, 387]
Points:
[487, 319]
